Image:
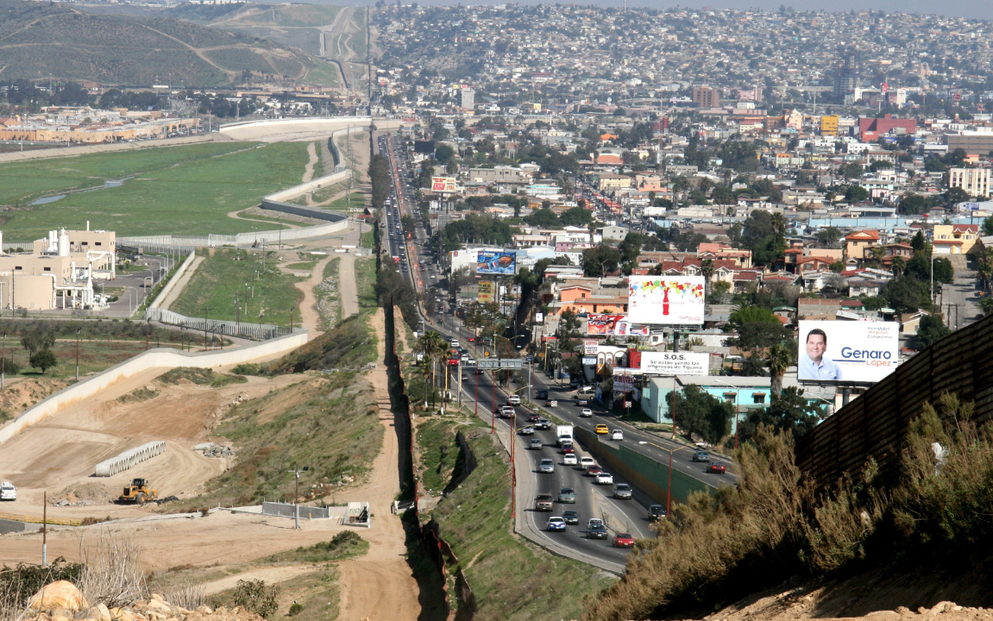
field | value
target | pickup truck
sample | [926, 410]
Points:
[543, 502]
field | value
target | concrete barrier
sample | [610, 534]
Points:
[154, 358]
[166, 290]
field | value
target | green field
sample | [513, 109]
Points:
[223, 276]
[175, 190]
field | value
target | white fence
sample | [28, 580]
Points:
[127, 459]
[254, 331]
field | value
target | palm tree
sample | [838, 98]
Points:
[898, 265]
[433, 344]
[707, 269]
[780, 358]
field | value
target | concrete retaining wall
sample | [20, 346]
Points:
[310, 186]
[166, 290]
[152, 359]
[285, 509]
[642, 471]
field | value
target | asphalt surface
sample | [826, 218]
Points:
[479, 393]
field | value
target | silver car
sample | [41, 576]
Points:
[622, 491]
[547, 466]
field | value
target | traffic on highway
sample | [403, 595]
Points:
[570, 502]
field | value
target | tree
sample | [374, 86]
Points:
[943, 270]
[700, 413]
[791, 412]
[856, 193]
[37, 339]
[707, 269]
[907, 295]
[898, 265]
[599, 261]
[988, 226]
[577, 216]
[829, 236]
[444, 153]
[931, 329]
[956, 195]
[43, 359]
[779, 359]
[544, 218]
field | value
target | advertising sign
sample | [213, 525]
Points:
[617, 325]
[496, 262]
[847, 351]
[539, 318]
[589, 347]
[485, 292]
[670, 300]
[589, 361]
[623, 383]
[444, 185]
[681, 363]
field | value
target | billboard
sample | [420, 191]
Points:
[618, 325]
[679, 363]
[485, 292]
[847, 351]
[589, 347]
[496, 262]
[589, 361]
[671, 300]
[445, 185]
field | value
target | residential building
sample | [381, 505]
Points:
[975, 181]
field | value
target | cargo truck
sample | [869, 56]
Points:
[563, 432]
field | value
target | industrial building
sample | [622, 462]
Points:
[59, 272]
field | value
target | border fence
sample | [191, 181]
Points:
[875, 425]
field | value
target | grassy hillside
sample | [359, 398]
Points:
[56, 41]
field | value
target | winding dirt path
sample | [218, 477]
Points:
[308, 172]
[381, 585]
[310, 318]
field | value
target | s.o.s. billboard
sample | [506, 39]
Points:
[672, 300]
[847, 351]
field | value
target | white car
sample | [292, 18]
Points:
[569, 460]
[604, 478]
[514, 399]
[586, 413]
[547, 466]
[617, 434]
[586, 462]
[8, 491]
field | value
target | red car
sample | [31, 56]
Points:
[623, 540]
[717, 468]
[592, 471]
[472, 339]
[568, 450]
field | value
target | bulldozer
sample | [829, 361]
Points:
[138, 492]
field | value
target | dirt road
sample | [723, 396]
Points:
[381, 585]
[348, 287]
[310, 318]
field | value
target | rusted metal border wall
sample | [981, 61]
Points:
[875, 424]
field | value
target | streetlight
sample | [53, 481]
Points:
[296, 495]
[130, 311]
[77, 351]
[668, 490]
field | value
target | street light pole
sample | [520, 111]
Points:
[77, 352]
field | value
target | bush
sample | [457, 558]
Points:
[295, 609]
[254, 596]
[18, 584]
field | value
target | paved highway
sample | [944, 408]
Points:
[592, 500]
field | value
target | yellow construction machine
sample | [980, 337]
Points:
[138, 492]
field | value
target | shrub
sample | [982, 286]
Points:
[295, 609]
[256, 597]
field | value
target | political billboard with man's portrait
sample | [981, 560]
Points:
[847, 351]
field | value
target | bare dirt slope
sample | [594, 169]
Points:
[381, 585]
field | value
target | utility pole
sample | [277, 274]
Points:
[296, 495]
[77, 351]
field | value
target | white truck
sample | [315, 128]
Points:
[563, 432]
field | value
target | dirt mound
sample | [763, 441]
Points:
[19, 396]
[81, 494]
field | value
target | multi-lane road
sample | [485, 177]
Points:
[480, 394]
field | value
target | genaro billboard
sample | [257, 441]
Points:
[673, 300]
[485, 292]
[847, 351]
[606, 325]
[496, 262]
[675, 363]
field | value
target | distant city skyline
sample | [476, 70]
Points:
[972, 9]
